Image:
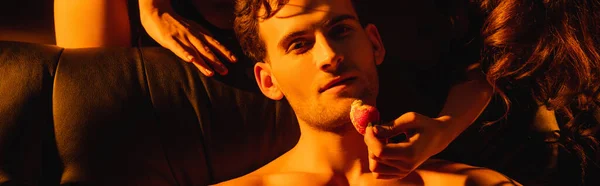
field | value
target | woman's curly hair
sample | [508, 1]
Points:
[551, 48]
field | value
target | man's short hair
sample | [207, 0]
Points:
[246, 24]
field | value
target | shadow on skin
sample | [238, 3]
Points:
[474, 175]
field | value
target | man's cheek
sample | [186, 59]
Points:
[361, 51]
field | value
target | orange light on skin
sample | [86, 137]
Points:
[91, 23]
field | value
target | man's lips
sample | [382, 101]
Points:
[335, 82]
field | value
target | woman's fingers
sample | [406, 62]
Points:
[185, 50]
[204, 35]
[220, 48]
[189, 41]
[176, 47]
[201, 65]
[208, 56]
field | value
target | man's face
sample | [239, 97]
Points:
[321, 59]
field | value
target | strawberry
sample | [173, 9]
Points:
[362, 115]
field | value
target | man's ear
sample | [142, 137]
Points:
[375, 38]
[266, 81]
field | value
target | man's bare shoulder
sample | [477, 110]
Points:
[472, 175]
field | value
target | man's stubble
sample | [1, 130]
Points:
[335, 116]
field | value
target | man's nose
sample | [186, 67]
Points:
[328, 56]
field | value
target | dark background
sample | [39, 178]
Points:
[27, 20]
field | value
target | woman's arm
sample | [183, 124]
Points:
[429, 136]
[91, 23]
[466, 100]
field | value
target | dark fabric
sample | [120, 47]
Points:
[106, 129]
[26, 77]
[129, 116]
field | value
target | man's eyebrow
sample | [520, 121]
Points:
[339, 18]
[288, 37]
[327, 23]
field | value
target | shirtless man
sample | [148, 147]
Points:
[319, 57]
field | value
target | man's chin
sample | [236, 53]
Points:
[347, 99]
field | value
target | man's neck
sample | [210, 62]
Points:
[327, 152]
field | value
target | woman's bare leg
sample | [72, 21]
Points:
[91, 23]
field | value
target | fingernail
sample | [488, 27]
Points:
[369, 124]
[208, 72]
[233, 58]
[218, 66]
[221, 69]
[190, 58]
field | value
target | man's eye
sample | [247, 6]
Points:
[340, 31]
[299, 45]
